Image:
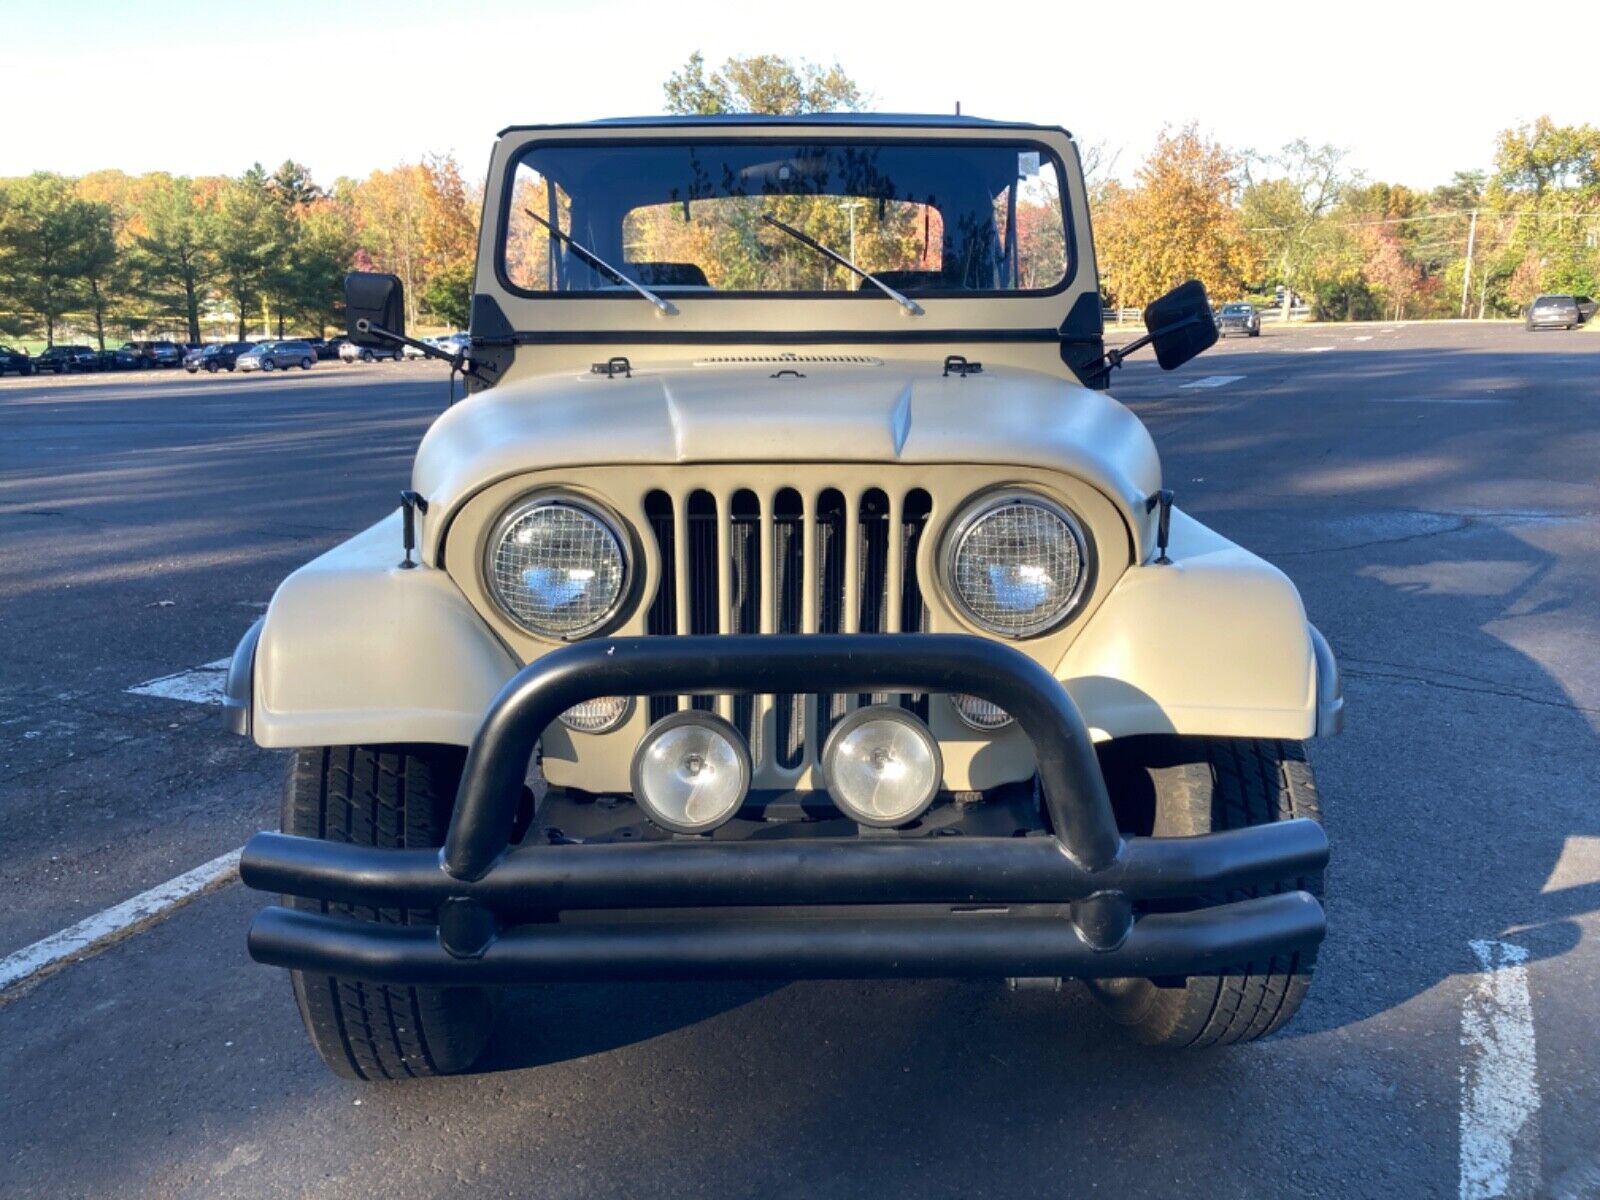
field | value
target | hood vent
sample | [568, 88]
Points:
[756, 360]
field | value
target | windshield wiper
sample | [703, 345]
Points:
[665, 307]
[905, 302]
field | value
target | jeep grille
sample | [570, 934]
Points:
[794, 561]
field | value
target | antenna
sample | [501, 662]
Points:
[958, 108]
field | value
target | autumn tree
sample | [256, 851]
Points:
[1177, 223]
[762, 83]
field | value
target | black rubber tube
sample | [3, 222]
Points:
[1201, 942]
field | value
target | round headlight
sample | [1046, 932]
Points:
[1016, 564]
[882, 766]
[600, 715]
[558, 567]
[983, 715]
[691, 771]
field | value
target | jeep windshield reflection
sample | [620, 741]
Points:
[692, 218]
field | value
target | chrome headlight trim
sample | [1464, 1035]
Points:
[960, 528]
[614, 527]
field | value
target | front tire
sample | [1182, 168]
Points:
[305, 364]
[268, 365]
[391, 796]
[1199, 785]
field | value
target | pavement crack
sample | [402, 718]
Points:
[1400, 539]
[1504, 693]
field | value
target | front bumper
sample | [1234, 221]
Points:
[1067, 901]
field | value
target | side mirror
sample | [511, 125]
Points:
[1181, 324]
[373, 299]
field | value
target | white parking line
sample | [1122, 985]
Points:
[1499, 1078]
[198, 685]
[1315, 349]
[94, 934]
[1210, 381]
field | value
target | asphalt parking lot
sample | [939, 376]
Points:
[1433, 491]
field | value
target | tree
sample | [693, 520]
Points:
[449, 294]
[391, 211]
[174, 255]
[1178, 223]
[1286, 210]
[762, 83]
[50, 236]
[100, 267]
[247, 230]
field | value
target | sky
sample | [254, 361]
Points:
[1413, 91]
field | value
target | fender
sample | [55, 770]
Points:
[355, 650]
[1214, 643]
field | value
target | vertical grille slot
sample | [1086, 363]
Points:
[830, 576]
[700, 568]
[744, 562]
[662, 617]
[872, 572]
[788, 561]
[914, 514]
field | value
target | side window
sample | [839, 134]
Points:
[535, 260]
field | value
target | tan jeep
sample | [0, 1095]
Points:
[786, 599]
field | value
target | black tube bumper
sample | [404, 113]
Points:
[1060, 903]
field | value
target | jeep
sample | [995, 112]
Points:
[786, 598]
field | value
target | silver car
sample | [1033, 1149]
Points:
[270, 356]
[1239, 318]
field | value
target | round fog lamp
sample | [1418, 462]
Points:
[882, 766]
[983, 715]
[600, 715]
[691, 772]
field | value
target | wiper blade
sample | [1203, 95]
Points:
[905, 302]
[665, 307]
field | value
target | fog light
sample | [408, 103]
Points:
[691, 772]
[600, 715]
[882, 766]
[983, 715]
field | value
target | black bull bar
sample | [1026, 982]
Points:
[500, 906]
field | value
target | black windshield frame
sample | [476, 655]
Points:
[1013, 142]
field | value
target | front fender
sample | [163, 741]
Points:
[1213, 643]
[356, 650]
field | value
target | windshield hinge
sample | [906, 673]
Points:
[956, 364]
[612, 367]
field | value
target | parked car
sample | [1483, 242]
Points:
[1586, 308]
[219, 356]
[118, 360]
[58, 360]
[19, 361]
[1554, 312]
[331, 347]
[350, 352]
[1239, 318]
[913, 594]
[156, 354]
[271, 356]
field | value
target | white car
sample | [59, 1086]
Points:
[350, 352]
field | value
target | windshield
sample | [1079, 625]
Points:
[700, 219]
[1235, 310]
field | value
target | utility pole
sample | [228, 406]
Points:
[851, 209]
[1466, 274]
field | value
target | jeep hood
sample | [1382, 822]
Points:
[889, 412]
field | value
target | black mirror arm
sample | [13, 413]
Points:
[1112, 359]
[378, 331]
